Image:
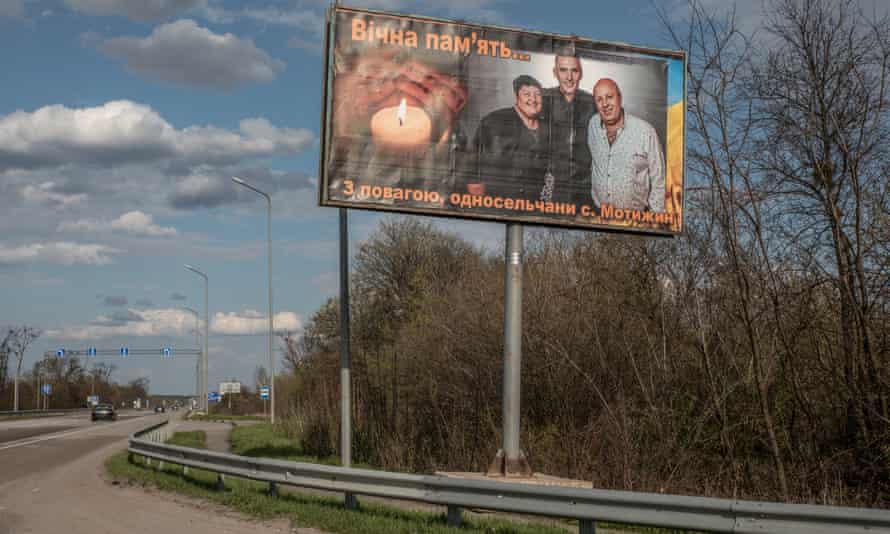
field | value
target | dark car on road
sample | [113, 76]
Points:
[159, 409]
[104, 411]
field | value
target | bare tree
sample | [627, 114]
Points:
[822, 97]
[15, 343]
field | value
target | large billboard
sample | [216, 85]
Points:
[452, 119]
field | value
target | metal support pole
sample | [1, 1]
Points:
[271, 354]
[204, 390]
[345, 393]
[268, 198]
[512, 340]
[510, 460]
[345, 379]
[454, 516]
[197, 344]
[206, 355]
[586, 526]
[15, 402]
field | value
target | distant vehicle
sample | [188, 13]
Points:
[159, 409]
[103, 411]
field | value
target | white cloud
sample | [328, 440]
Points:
[309, 45]
[255, 138]
[132, 222]
[311, 21]
[143, 10]
[472, 10]
[166, 322]
[59, 253]
[250, 322]
[122, 132]
[183, 52]
[45, 193]
[138, 223]
[153, 322]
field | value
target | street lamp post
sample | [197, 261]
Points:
[198, 341]
[242, 183]
[204, 357]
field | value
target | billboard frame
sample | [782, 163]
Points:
[606, 47]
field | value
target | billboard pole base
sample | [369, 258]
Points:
[502, 466]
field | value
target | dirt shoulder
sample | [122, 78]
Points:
[76, 498]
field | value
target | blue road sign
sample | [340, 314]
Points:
[60, 353]
[264, 392]
[47, 389]
[91, 351]
[125, 351]
[168, 352]
[213, 396]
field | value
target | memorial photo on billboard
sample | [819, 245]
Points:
[438, 118]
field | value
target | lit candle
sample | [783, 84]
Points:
[401, 128]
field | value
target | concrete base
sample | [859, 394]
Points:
[502, 466]
[538, 479]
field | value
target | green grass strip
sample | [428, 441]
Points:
[195, 439]
[222, 417]
[324, 513]
[328, 514]
[266, 441]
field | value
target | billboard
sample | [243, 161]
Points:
[452, 119]
[230, 388]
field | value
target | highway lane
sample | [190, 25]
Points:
[54, 482]
[12, 430]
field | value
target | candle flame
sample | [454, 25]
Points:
[403, 110]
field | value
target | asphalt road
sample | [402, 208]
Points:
[13, 430]
[52, 480]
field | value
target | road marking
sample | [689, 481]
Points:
[31, 441]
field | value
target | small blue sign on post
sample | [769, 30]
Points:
[47, 389]
[125, 351]
[60, 353]
[167, 352]
[91, 351]
[213, 396]
[264, 392]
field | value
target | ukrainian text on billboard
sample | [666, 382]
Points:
[440, 118]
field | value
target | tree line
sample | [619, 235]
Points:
[71, 382]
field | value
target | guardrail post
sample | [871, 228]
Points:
[220, 482]
[350, 501]
[273, 490]
[454, 516]
[586, 526]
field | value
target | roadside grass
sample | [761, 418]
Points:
[223, 417]
[323, 513]
[195, 439]
[307, 510]
[266, 441]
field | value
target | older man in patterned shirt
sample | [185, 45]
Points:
[628, 163]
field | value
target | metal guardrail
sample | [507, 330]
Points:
[586, 506]
[14, 413]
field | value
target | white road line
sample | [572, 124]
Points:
[31, 441]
